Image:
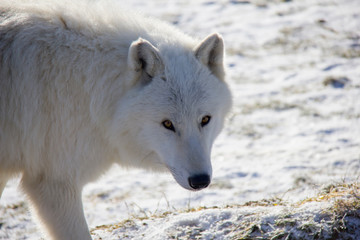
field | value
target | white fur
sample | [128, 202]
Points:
[85, 85]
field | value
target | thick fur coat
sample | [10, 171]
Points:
[85, 85]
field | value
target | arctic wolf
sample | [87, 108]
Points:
[86, 85]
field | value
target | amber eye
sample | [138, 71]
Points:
[168, 125]
[205, 120]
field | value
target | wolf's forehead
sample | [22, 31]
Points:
[186, 81]
[186, 98]
[180, 62]
[183, 71]
[188, 93]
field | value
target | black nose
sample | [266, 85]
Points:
[199, 181]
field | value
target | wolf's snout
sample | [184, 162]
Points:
[200, 181]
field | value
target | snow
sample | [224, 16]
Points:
[294, 127]
[317, 217]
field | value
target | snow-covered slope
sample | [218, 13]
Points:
[332, 214]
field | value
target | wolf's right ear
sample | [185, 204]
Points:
[143, 56]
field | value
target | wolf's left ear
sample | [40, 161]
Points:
[210, 52]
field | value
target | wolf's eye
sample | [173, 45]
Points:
[205, 120]
[168, 125]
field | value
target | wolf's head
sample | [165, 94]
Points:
[174, 109]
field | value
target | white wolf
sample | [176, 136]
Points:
[86, 85]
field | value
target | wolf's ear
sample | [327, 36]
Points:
[210, 52]
[143, 56]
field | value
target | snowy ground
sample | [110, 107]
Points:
[294, 67]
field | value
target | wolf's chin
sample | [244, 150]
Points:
[179, 178]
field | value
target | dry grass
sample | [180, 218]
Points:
[333, 214]
[339, 220]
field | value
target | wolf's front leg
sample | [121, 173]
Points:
[59, 207]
